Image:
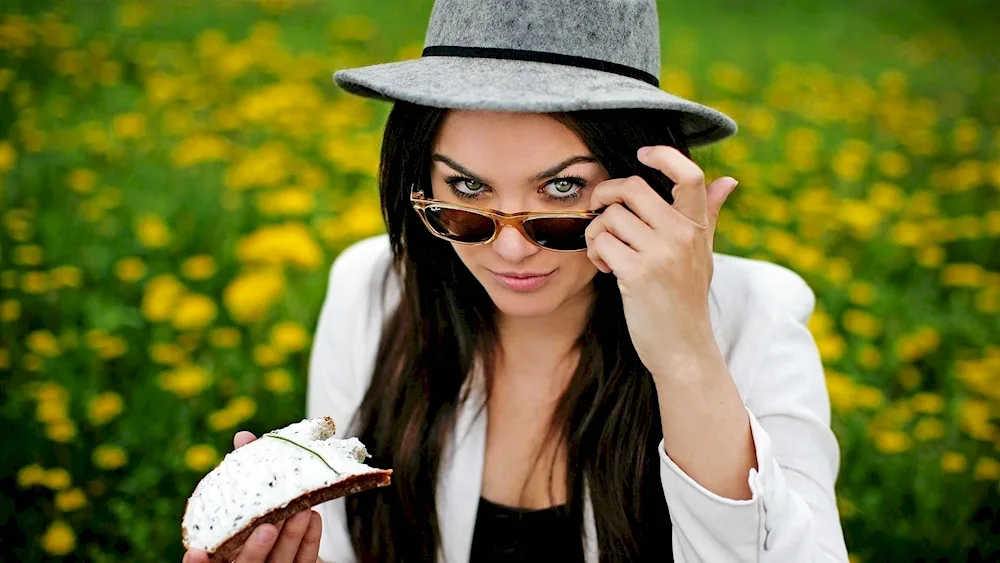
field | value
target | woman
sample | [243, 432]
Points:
[544, 347]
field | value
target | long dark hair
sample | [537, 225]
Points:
[607, 418]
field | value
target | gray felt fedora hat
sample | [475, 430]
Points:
[538, 56]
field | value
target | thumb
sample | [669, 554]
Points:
[717, 193]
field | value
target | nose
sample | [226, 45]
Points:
[512, 246]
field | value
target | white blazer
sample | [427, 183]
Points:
[759, 313]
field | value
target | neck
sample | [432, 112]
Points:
[530, 346]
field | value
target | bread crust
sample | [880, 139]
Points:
[351, 485]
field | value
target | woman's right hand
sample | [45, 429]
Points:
[293, 540]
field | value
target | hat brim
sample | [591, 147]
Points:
[514, 85]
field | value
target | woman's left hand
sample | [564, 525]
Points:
[662, 256]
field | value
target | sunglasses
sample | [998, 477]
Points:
[462, 224]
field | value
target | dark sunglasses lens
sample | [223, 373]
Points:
[559, 233]
[460, 226]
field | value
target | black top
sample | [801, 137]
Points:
[505, 534]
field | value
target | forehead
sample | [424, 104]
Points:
[483, 139]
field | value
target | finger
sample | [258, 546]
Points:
[259, 544]
[243, 438]
[287, 546]
[689, 190]
[625, 225]
[638, 196]
[613, 252]
[195, 556]
[717, 194]
[309, 549]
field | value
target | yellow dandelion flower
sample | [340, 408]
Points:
[8, 156]
[130, 269]
[27, 255]
[907, 233]
[861, 323]
[57, 479]
[130, 125]
[200, 267]
[988, 301]
[242, 407]
[289, 336]
[930, 256]
[267, 356]
[861, 293]
[81, 180]
[987, 469]
[850, 161]
[869, 357]
[846, 507]
[224, 337]
[193, 311]
[199, 148]
[30, 475]
[160, 296]
[891, 441]
[59, 539]
[869, 397]
[61, 431]
[962, 275]
[267, 165]
[893, 164]
[72, 499]
[133, 14]
[927, 403]
[109, 457]
[43, 343]
[928, 429]
[909, 377]
[274, 244]
[185, 381]
[974, 418]
[152, 231]
[201, 457]
[66, 276]
[34, 282]
[838, 270]
[51, 411]
[111, 346]
[953, 462]
[32, 362]
[841, 389]
[289, 201]
[252, 294]
[965, 136]
[886, 197]
[105, 407]
[831, 347]
[222, 420]
[278, 381]
[166, 353]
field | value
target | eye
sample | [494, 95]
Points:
[564, 188]
[465, 187]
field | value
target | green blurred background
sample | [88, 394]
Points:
[176, 178]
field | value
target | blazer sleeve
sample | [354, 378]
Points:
[792, 513]
[341, 361]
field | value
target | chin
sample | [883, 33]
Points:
[535, 304]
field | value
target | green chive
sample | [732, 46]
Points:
[306, 449]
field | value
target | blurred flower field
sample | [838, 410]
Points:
[175, 182]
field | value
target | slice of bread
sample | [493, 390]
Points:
[272, 478]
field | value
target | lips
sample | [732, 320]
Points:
[522, 281]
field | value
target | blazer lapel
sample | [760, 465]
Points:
[460, 480]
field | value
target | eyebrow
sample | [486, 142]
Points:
[543, 175]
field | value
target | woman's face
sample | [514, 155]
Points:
[496, 160]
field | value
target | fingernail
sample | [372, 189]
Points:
[265, 534]
[644, 151]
